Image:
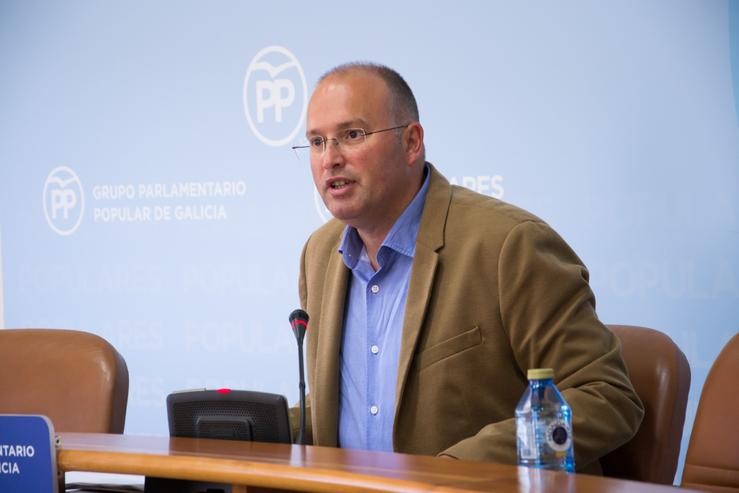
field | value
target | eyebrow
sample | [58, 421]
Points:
[356, 123]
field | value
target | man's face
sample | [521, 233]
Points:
[368, 185]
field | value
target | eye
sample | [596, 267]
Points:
[353, 135]
[316, 142]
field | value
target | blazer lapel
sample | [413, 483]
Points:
[430, 239]
[325, 393]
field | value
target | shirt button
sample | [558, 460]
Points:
[374, 410]
[375, 349]
[375, 288]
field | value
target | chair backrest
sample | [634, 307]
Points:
[77, 379]
[660, 374]
[712, 461]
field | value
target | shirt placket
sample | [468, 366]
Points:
[374, 404]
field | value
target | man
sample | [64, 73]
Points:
[429, 302]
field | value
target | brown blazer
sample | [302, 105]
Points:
[493, 291]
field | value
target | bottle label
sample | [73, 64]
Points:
[541, 438]
[558, 436]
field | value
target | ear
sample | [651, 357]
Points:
[413, 142]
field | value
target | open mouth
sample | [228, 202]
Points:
[339, 184]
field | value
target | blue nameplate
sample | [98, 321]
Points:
[27, 454]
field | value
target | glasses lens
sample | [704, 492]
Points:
[317, 144]
[353, 136]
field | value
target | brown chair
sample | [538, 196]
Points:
[712, 461]
[75, 378]
[660, 374]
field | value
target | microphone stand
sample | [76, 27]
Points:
[301, 430]
[299, 324]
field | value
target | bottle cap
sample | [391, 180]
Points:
[540, 373]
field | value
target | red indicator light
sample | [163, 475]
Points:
[223, 391]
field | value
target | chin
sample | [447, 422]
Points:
[342, 215]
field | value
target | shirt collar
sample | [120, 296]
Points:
[401, 237]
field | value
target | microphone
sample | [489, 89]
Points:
[299, 324]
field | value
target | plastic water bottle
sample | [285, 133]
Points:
[544, 425]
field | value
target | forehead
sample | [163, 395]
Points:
[344, 99]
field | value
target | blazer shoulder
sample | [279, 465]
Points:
[455, 215]
[468, 207]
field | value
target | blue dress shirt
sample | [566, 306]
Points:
[373, 324]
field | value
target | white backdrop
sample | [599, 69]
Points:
[148, 192]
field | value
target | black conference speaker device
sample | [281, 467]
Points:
[222, 414]
[229, 415]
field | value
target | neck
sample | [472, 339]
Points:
[372, 241]
[373, 235]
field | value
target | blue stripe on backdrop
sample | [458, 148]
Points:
[2, 295]
[734, 30]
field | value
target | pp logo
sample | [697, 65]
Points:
[275, 96]
[63, 200]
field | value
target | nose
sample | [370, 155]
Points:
[332, 155]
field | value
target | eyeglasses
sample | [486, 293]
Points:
[349, 137]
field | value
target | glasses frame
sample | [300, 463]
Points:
[339, 142]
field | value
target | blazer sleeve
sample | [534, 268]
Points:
[548, 313]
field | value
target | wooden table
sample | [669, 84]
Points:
[308, 468]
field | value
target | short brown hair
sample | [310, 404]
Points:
[404, 102]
